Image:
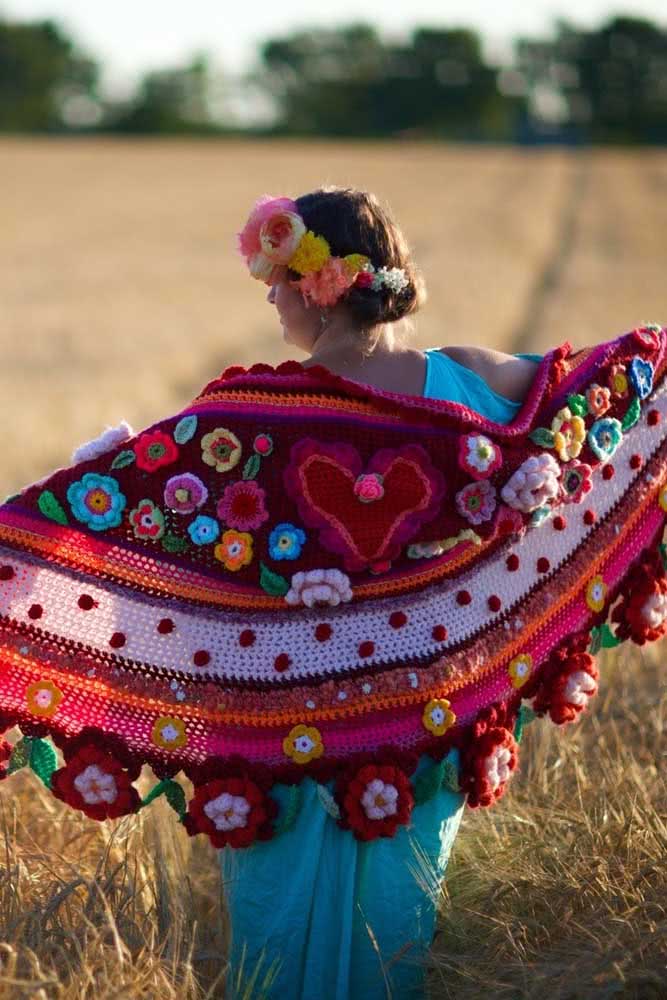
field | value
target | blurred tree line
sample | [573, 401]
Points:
[601, 85]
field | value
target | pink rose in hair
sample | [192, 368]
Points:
[266, 270]
[325, 287]
[265, 207]
[280, 236]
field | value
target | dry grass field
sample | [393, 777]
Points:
[120, 295]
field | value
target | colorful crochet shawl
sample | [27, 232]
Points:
[299, 575]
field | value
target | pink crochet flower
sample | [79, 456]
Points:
[242, 505]
[325, 287]
[533, 484]
[368, 487]
[265, 207]
[477, 501]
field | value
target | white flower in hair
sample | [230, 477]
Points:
[393, 277]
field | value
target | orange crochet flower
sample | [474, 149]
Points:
[520, 669]
[235, 549]
[598, 398]
[438, 716]
[303, 743]
[596, 592]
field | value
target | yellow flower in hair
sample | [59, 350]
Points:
[354, 262]
[311, 254]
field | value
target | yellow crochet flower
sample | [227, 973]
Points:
[596, 592]
[519, 669]
[662, 497]
[311, 254]
[169, 733]
[354, 262]
[221, 449]
[303, 743]
[43, 698]
[569, 434]
[438, 716]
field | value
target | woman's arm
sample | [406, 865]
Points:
[511, 377]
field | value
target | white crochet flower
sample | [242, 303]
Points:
[94, 785]
[106, 441]
[228, 812]
[580, 688]
[319, 586]
[533, 483]
[379, 799]
[425, 550]
[496, 767]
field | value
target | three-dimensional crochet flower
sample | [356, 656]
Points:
[97, 501]
[479, 456]
[490, 757]
[303, 744]
[641, 614]
[147, 520]
[286, 541]
[567, 682]
[604, 437]
[533, 484]
[185, 493]
[569, 433]
[319, 586]
[243, 505]
[203, 530]
[374, 800]
[234, 549]
[476, 501]
[576, 481]
[231, 803]
[155, 449]
[221, 449]
[618, 381]
[43, 697]
[96, 778]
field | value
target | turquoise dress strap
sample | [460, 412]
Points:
[447, 379]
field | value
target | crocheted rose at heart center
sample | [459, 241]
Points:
[321, 479]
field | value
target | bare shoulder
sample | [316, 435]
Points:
[511, 377]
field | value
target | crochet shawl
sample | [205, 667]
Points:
[299, 575]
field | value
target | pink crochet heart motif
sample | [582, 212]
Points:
[321, 478]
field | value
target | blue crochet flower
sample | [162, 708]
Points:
[203, 530]
[97, 501]
[641, 376]
[286, 541]
[605, 436]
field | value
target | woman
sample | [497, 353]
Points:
[328, 915]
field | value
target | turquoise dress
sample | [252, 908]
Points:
[317, 913]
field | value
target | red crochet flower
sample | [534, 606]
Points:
[569, 681]
[641, 614]
[374, 799]
[154, 449]
[96, 779]
[231, 803]
[491, 755]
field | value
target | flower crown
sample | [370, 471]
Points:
[275, 238]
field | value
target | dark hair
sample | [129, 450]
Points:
[354, 221]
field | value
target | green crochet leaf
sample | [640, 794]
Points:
[174, 794]
[578, 404]
[20, 755]
[170, 543]
[43, 760]
[123, 458]
[602, 637]
[51, 508]
[287, 820]
[450, 779]
[251, 468]
[595, 644]
[428, 783]
[542, 436]
[273, 583]
[631, 414]
[185, 429]
[329, 803]
[662, 549]
[525, 716]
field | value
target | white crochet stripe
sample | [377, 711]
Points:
[293, 633]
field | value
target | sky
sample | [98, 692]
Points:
[132, 36]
